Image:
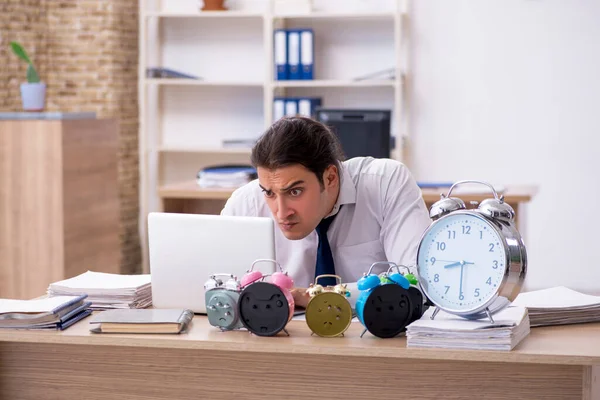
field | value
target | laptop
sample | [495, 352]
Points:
[185, 249]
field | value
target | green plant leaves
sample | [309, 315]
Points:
[20, 52]
[32, 75]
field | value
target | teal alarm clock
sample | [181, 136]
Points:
[388, 302]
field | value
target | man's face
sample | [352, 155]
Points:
[297, 199]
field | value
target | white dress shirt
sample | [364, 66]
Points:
[382, 219]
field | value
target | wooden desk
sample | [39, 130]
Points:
[552, 363]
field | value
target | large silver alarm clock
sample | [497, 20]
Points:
[471, 262]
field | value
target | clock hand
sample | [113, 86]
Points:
[462, 266]
[454, 264]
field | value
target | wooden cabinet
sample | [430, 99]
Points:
[59, 205]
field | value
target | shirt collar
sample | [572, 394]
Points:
[347, 191]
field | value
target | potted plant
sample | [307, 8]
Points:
[214, 5]
[33, 93]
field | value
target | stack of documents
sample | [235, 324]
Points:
[510, 327]
[225, 176]
[44, 313]
[107, 291]
[559, 306]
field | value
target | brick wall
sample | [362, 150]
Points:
[87, 52]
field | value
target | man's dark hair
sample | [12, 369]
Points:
[298, 140]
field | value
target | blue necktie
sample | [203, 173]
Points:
[324, 257]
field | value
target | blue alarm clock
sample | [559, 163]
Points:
[389, 302]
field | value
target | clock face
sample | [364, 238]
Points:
[461, 262]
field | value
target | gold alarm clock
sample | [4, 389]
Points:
[328, 313]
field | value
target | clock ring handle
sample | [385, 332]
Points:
[501, 199]
[265, 260]
[390, 263]
[391, 268]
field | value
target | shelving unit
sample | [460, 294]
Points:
[184, 121]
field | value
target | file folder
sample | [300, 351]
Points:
[291, 107]
[280, 56]
[294, 55]
[307, 54]
[278, 108]
[307, 106]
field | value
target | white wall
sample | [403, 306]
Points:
[508, 91]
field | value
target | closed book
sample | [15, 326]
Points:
[141, 321]
[42, 312]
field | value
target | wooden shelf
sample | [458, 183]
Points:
[199, 82]
[191, 190]
[338, 15]
[334, 83]
[257, 14]
[204, 150]
[204, 14]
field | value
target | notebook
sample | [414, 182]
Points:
[142, 321]
[559, 306]
[57, 312]
[510, 327]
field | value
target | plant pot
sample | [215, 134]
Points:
[33, 96]
[214, 5]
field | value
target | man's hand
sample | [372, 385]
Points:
[301, 298]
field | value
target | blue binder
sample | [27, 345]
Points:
[291, 107]
[280, 55]
[307, 54]
[293, 45]
[278, 108]
[307, 106]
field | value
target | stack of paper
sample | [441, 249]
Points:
[107, 291]
[559, 306]
[225, 176]
[510, 327]
[44, 313]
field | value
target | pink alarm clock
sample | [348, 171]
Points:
[265, 307]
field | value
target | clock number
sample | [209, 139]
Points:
[461, 297]
[489, 281]
[432, 260]
[451, 234]
[476, 292]
[436, 278]
[447, 288]
[480, 234]
[491, 247]
[495, 264]
[466, 229]
[441, 246]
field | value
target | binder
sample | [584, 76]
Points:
[307, 106]
[291, 107]
[280, 56]
[307, 54]
[278, 108]
[293, 42]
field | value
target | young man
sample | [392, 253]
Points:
[333, 216]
